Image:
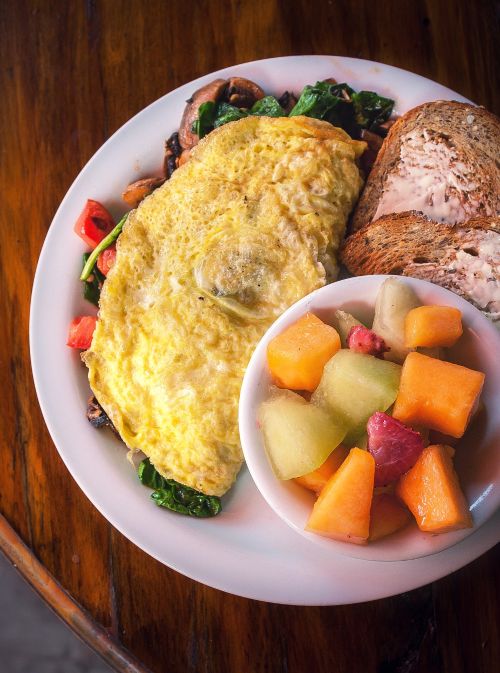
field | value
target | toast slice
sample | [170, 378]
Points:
[464, 258]
[440, 159]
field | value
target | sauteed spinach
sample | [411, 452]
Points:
[212, 115]
[177, 497]
[338, 104]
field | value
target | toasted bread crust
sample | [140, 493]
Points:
[411, 244]
[472, 132]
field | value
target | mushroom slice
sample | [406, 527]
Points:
[173, 151]
[137, 191]
[243, 92]
[209, 92]
[288, 101]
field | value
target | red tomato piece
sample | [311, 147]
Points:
[106, 259]
[80, 332]
[94, 223]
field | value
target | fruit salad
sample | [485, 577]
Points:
[366, 418]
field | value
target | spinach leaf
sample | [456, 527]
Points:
[371, 109]
[149, 475]
[177, 497]
[92, 286]
[315, 101]
[228, 113]
[204, 123]
[267, 107]
[341, 90]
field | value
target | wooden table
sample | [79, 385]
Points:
[71, 73]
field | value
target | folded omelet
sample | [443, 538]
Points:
[249, 225]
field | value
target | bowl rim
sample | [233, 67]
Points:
[251, 438]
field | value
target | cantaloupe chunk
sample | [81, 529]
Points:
[432, 326]
[387, 515]
[342, 510]
[315, 481]
[296, 357]
[432, 492]
[436, 394]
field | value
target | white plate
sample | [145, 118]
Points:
[247, 550]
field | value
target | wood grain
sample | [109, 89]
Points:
[71, 73]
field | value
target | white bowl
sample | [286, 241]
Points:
[477, 457]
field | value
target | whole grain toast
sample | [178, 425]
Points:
[464, 258]
[441, 159]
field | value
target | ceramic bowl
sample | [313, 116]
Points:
[477, 453]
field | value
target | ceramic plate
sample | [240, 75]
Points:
[247, 550]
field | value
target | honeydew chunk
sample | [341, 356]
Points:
[394, 300]
[298, 436]
[343, 322]
[353, 387]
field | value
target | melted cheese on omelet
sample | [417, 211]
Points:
[249, 225]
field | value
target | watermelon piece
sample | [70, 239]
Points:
[364, 340]
[394, 445]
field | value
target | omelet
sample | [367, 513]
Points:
[249, 225]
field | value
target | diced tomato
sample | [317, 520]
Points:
[80, 332]
[94, 223]
[106, 259]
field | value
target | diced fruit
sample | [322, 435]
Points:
[297, 435]
[343, 322]
[314, 481]
[394, 446]
[364, 340]
[342, 510]
[106, 259]
[354, 386]
[296, 357]
[80, 332]
[94, 223]
[432, 326]
[432, 492]
[394, 300]
[387, 516]
[439, 395]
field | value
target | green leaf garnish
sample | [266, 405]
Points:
[105, 243]
[204, 123]
[177, 497]
[92, 286]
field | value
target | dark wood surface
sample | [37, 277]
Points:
[71, 73]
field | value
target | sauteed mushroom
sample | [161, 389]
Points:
[173, 151]
[137, 191]
[243, 92]
[287, 100]
[210, 92]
